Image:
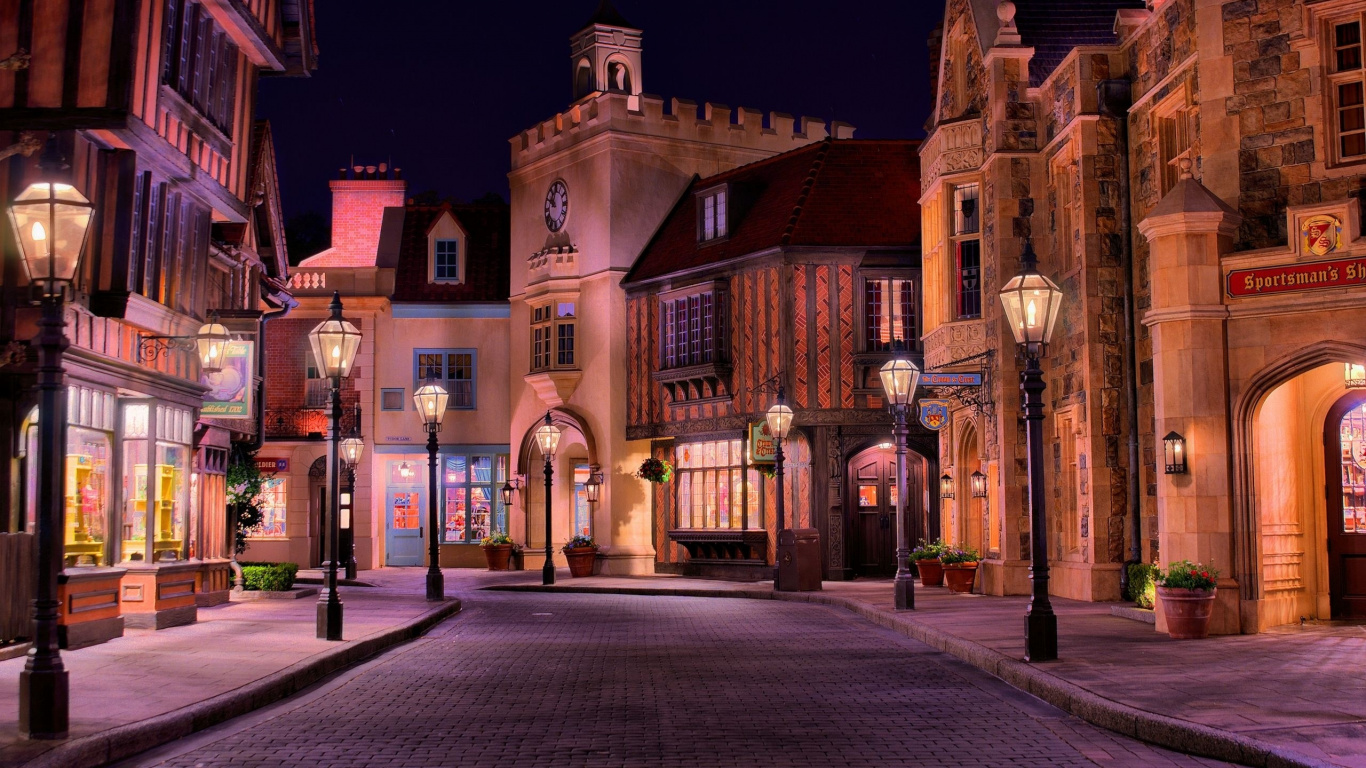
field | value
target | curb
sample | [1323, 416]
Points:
[1161, 730]
[125, 741]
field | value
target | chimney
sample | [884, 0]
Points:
[358, 202]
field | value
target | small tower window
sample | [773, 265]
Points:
[583, 79]
[618, 77]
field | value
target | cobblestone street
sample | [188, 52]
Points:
[615, 680]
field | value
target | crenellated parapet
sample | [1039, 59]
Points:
[646, 115]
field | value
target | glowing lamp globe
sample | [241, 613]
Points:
[900, 377]
[1031, 302]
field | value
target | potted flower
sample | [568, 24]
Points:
[1187, 592]
[960, 568]
[926, 557]
[655, 470]
[498, 550]
[581, 552]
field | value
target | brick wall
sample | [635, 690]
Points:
[287, 358]
[357, 212]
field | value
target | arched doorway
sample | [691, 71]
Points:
[971, 523]
[1344, 443]
[571, 513]
[871, 506]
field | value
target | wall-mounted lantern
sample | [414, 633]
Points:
[946, 486]
[1174, 447]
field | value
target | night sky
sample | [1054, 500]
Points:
[437, 87]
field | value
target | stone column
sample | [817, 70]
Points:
[1187, 232]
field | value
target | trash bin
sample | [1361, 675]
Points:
[799, 560]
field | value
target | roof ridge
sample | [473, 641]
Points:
[816, 165]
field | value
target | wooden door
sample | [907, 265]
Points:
[317, 519]
[872, 501]
[1345, 471]
[403, 545]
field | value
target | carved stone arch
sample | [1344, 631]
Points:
[1246, 515]
[561, 417]
[618, 75]
[318, 469]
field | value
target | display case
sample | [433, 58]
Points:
[156, 491]
[84, 537]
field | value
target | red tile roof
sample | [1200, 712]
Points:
[837, 192]
[487, 227]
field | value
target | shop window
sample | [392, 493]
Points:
[693, 329]
[391, 399]
[1347, 89]
[554, 336]
[453, 369]
[715, 489]
[155, 503]
[473, 506]
[890, 314]
[967, 245]
[583, 516]
[274, 503]
[712, 220]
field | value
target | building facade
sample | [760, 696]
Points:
[152, 104]
[589, 188]
[427, 286]
[1190, 172]
[800, 271]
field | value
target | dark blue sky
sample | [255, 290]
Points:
[439, 86]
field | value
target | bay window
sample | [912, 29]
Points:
[967, 249]
[711, 481]
[692, 328]
[554, 332]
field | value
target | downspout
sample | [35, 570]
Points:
[1115, 97]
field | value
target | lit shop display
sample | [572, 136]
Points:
[85, 489]
[156, 481]
[472, 506]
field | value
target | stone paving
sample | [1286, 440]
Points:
[148, 673]
[618, 680]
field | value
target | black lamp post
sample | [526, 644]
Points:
[50, 220]
[548, 439]
[900, 377]
[351, 450]
[335, 343]
[779, 418]
[1032, 303]
[431, 400]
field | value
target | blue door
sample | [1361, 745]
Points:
[403, 528]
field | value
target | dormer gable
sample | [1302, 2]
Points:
[447, 249]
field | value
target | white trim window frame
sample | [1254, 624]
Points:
[713, 214]
[1346, 67]
[554, 334]
[456, 370]
[447, 266]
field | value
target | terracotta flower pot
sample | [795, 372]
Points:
[498, 556]
[581, 560]
[960, 576]
[1187, 611]
[931, 572]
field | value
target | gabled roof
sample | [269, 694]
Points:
[837, 193]
[487, 229]
[1054, 27]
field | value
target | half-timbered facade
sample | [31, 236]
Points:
[152, 103]
[800, 271]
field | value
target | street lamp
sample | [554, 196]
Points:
[1031, 303]
[779, 418]
[351, 450]
[335, 343]
[900, 377]
[548, 439]
[431, 400]
[50, 220]
[211, 340]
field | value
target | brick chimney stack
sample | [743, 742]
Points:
[359, 196]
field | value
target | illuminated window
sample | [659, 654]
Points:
[967, 245]
[711, 481]
[692, 329]
[274, 504]
[1347, 88]
[473, 506]
[890, 314]
[712, 220]
[554, 335]
[453, 369]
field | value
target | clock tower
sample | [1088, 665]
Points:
[589, 187]
[605, 55]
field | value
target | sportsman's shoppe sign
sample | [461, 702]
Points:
[1319, 236]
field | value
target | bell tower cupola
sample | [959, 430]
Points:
[605, 55]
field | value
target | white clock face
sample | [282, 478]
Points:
[556, 206]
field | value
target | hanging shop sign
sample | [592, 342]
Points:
[763, 449]
[229, 395]
[1293, 278]
[934, 414]
[931, 379]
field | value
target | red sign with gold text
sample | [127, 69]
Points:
[1311, 276]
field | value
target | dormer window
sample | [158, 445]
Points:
[712, 221]
[446, 247]
[447, 266]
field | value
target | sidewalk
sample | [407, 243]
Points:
[149, 687]
[1291, 697]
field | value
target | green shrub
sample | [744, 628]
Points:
[1142, 587]
[269, 577]
[956, 555]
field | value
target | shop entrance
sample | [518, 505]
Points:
[1345, 469]
[404, 502]
[872, 503]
